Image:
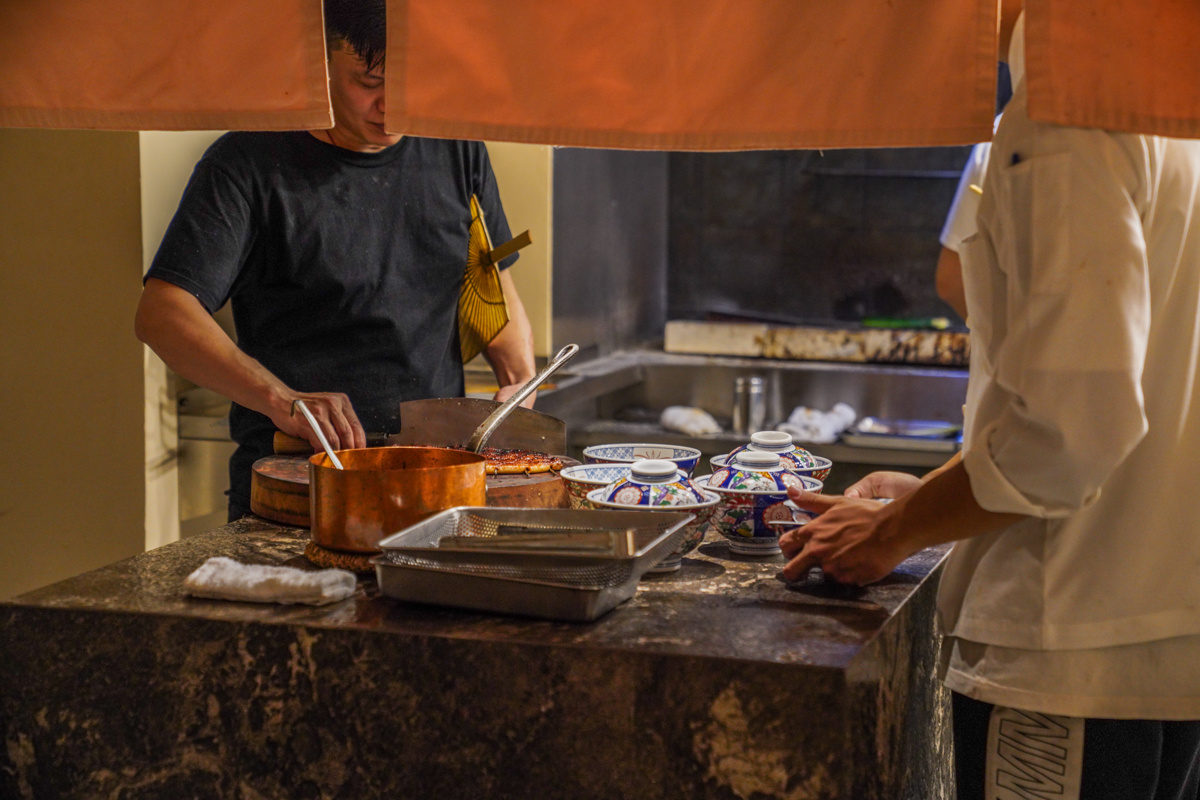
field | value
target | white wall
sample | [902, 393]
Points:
[167, 159]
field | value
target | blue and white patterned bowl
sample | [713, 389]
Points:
[583, 478]
[820, 471]
[655, 485]
[756, 471]
[652, 482]
[753, 492]
[685, 458]
[798, 459]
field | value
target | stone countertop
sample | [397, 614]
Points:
[788, 690]
[718, 605]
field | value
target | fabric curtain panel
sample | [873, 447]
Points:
[694, 74]
[1127, 65]
[163, 64]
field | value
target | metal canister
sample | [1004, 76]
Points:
[749, 404]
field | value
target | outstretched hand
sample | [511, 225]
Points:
[333, 413]
[850, 541]
[884, 484]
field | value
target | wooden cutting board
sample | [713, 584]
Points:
[279, 489]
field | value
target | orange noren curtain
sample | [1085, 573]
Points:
[694, 74]
[1127, 65]
[163, 65]
[701, 74]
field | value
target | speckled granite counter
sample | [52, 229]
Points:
[719, 681]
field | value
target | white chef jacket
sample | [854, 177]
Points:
[1083, 411]
[960, 221]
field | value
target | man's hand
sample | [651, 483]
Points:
[849, 541]
[861, 541]
[884, 484]
[333, 413]
[508, 391]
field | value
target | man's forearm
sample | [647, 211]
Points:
[183, 334]
[951, 462]
[943, 510]
[510, 354]
[180, 330]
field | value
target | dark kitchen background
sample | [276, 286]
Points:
[776, 236]
[807, 236]
[787, 236]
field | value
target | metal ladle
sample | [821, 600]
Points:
[488, 426]
[320, 435]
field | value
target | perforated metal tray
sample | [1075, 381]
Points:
[563, 584]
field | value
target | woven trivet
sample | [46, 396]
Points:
[335, 559]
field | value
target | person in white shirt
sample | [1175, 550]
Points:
[1071, 600]
[960, 224]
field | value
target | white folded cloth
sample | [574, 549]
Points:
[688, 420]
[223, 578]
[820, 427]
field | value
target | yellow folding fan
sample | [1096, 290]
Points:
[482, 312]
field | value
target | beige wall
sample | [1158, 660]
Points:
[71, 405]
[166, 162]
[525, 174]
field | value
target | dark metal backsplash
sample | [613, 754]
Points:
[789, 236]
[807, 236]
[610, 249]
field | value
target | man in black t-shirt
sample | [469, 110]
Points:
[342, 252]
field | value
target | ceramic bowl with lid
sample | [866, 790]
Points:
[685, 458]
[753, 488]
[583, 478]
[796, 459]
[657, 485]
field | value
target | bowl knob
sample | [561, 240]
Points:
[772, 440]
[758, 459]
[653, 470]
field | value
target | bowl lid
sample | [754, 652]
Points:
[772, 440]
[677, 492]
[756, 472]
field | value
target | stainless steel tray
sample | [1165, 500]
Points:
[479, 592]
[556, 583]
[905, 434]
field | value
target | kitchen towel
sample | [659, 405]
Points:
[688, 420]
[821, 427]
[222, 578]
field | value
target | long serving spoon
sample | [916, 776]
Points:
[320, 435]
[488, 426]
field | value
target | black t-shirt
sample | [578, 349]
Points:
[343, 268]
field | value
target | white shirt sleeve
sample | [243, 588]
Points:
[960, 221]
[1058, 286]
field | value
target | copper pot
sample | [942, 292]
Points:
[382, 490]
